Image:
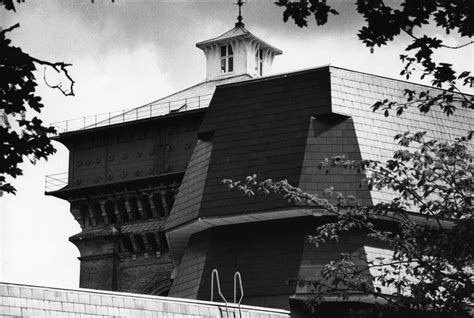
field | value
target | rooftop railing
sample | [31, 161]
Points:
[56, 181]
[146, 111]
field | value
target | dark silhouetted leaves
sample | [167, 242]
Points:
[24, 135]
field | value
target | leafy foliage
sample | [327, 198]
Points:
[22, 133]
[17, 93]
[300, 11]
[432, 263]
[384, 23]
[431, 266]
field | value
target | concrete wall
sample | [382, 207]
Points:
[33, 301]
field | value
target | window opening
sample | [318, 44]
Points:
[110, 211]
[259, 61]
[227, 59]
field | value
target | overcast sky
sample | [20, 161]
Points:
[128, 53]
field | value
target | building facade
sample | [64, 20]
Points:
[146, 188]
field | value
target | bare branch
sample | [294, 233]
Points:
[10, 28]
[59, 67]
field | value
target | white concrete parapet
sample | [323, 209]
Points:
[35, 301]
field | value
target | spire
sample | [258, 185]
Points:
[239, 18]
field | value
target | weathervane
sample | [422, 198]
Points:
[239, 18]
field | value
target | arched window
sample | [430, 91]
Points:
[134, 207]
[122, 209]
[156, 198]
[146, 206]
[97, 210]
[110, 211]
[85, 215]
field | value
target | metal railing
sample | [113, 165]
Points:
[237, 280]
[215, 274]
[146, 111]
[56, 181]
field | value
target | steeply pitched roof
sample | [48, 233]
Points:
[282, 127]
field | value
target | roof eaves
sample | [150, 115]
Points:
[245, 34]
[224, 36]
[279, 75]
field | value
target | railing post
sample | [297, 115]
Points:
[238, 278]
[216, 274]
[201, 102]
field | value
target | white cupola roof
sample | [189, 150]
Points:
[237, 52]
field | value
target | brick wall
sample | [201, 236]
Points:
[32, 301]
[144, 274]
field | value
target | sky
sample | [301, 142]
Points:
[128, 53]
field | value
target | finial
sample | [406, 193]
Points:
[239, 18]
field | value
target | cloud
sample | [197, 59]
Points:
[110, 82]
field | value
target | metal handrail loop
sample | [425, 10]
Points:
[215, 273]
[238, 277]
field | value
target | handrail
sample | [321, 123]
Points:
[145, 111]
[56, 181]
[216, 274]
[238, 276]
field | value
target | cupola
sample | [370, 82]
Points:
[237, 52]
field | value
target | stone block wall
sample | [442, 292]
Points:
[33, 301]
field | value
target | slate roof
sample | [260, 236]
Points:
[193, 183]
[353, 93]
[200, 89]
[195, 97]
[281, 127]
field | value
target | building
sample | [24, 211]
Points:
[145, 185]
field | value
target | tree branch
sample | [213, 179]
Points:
[59, 67]
[3, 31]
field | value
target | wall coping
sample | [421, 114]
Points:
[150, 297]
